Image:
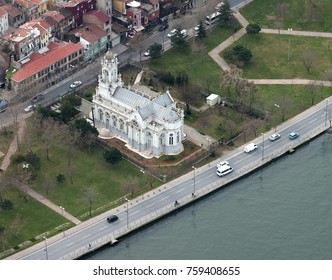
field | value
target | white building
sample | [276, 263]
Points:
[3, 21]
[150, 125]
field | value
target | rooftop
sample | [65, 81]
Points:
[37, 62]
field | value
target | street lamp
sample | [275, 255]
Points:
[46, 247]
[262, 147]
[127, 211]
[289, 32]
[62, 209]
[25, 167]
[326, 111]
[275, 128]
[193, 167]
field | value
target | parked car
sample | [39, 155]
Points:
[112, 218]
[3, 105]
[184, 32]
[222, 163]
[163, 27]
[75, 84]
[293, 135]
[37, 98]
[147, 53]
[171, 33]
[30, 108]
[274, 137]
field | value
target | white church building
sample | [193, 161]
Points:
[151, 125]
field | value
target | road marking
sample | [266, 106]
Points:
[70, 244]
[85, 236]
[181, 190]
[102, 228]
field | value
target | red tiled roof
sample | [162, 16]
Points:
[12, 11]
[56, 15]
[2, 12]
[25, 3]
[57, 51]
[89, 32]
[99, 14]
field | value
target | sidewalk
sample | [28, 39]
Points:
[6, 162]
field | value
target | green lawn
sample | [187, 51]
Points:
[7, 135]
[28, 220]
[272, 62]
[296, 14]
[89, 170]
[199, 66]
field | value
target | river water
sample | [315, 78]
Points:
[282, 212]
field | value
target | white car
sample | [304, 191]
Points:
[274, 137]
[184, 32]
[147, 53]
[30, 108]
[222, 163]
[75, 84]
[171, 33]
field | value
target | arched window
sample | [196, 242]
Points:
[100, 111]
[171, 139]
[121, 124]
[114, 121]
[178, 137]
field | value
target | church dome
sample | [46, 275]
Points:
[109, 55]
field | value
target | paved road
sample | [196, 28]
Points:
[181, 188]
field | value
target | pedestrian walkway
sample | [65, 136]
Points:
[215, 53]
[24, 188]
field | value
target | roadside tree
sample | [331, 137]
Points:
[225, 13]
[155, 50]
[178, 40]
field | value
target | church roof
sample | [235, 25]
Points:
[159, 107]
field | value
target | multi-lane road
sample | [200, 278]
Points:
[307, 124]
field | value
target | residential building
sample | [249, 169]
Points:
[29, 8]
[4, 24]
[134, 12]
[105, 6]
[80, 7]
[92, 38]
[62, 21]
[103, 21]
[46, 68]
[15, 16]
[148, 122]
[150, 12]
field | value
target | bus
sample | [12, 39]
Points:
[213, 18]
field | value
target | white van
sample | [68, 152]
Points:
[250, 147]
[211, 19]
[224, 170]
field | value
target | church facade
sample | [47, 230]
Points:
[150, 125]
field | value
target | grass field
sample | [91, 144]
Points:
[272, 62]
[296, 14]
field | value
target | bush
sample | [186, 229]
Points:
[167, 78]
[60, 178]
[6, 205]
[19, 158]
[113, 156]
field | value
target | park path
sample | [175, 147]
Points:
[214, 54]
[23, 187]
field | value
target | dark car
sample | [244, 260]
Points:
[163, 27]
[112, 218]
[37, 98]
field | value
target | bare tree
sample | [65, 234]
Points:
[131, 185]
[308, 58]
[90, 196]
[138, 43]
[313, 88]
[231, 78]
[71, 138]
